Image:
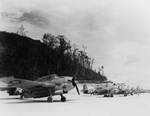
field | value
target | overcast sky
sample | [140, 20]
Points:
[116, 32]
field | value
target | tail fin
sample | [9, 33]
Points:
[85, 89]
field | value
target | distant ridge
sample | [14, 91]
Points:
[26, 58]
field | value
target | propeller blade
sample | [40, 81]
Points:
[74, 84]
[77, 90]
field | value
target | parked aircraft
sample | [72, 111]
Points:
[109, 89]
[105, 89]
[49, 85]
[124, 89]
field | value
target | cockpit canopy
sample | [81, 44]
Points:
[47, 78]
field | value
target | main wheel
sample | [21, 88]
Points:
[111, 95]
[105, 95]
[125, 94]
[85, 92]
[50, 99]
[63, 99]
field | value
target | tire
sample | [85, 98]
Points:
[105, 95]
[111, 95]
[50, 99]
[63, 99]
[125, 94]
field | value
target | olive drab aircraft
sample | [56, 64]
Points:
[46, 86]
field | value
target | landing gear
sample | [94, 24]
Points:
[63, 99]
[105, 95]
[111, 95]
[108, 95]
[50, 99]
[85, 92]
[125, 94]
[21, 97]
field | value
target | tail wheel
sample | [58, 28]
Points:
[50, 99]
[63, 99]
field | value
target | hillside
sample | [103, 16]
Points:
[26, 58]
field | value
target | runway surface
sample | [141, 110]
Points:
[76, 105]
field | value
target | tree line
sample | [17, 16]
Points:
[26, 58]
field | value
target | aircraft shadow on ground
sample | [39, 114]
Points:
[38, 101]
[9, 98]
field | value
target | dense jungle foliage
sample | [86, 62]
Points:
[26, 58]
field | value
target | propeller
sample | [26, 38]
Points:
[74, 84]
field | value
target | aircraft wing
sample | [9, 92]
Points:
[6, 88]
[25, 84]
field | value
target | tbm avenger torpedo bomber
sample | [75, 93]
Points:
[49, 85]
